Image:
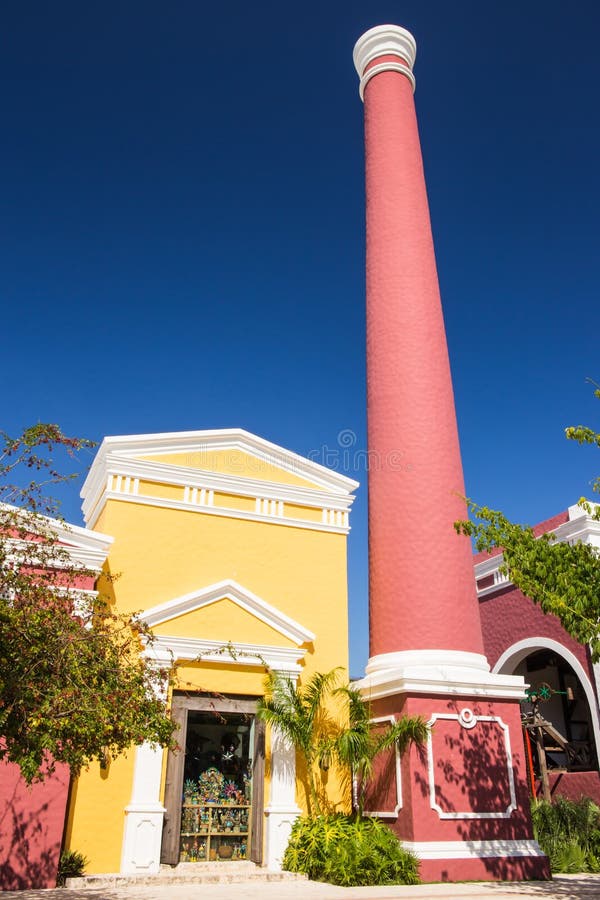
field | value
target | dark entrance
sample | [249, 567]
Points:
[215, 785]
[559, 722]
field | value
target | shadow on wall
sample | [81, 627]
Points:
[31, 828]
[478, 782]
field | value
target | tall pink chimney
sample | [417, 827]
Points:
[463, 809]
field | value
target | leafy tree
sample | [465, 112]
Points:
[585, 435]
[73, 684]
[322, 731]
[563, 579]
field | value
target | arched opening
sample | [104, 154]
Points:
[561, 696]
[558, 699]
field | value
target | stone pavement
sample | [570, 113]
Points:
[563, 887]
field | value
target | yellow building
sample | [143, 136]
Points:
[233, 550]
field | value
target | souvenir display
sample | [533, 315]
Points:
[215, 818]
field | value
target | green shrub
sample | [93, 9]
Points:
[349, 851]
[569, 833]
[71, 865]
[569, 858]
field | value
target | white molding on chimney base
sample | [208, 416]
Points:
[446, 672]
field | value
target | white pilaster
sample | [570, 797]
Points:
[144, 815]
[282, 811]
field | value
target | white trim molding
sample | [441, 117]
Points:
[282, 810]
[384, 40]
[225, 511]
[242, 597]
[473, 849]
[167, 649]
[142, 835]
[518, 651]
[121, 456]
[580, 526]
[446, 672]
[468, 720]
[85, 548]
[389, 814]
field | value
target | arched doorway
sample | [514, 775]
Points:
[566, 701]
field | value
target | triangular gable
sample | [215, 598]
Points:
[244, 598]
[233, 462]
[142, 446]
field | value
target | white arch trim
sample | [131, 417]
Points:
[516, 653]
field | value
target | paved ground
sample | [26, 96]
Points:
[564, 887]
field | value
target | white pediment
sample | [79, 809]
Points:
[242, 597]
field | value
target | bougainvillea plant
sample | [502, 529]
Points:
[74, 686]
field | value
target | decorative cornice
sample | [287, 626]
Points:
[444, 672]
[581, 527]
[136, 445]
[226, 512]
[239, 595]
[384, 41]
[85, 548]
[167, 649]
[182, 476]
[119, 456]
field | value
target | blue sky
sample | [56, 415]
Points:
[182, 228]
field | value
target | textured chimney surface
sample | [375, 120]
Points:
[461, 802]
[422, 588]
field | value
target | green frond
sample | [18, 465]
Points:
[408, 730]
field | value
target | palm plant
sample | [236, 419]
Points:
[358, 745]
[306, 716]
[301, 716]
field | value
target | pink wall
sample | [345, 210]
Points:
[508, 616]
[31, 828]
[574, 785]
[472, 770]
[32, 818]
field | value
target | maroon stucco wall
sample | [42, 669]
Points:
[508, 616]
[573, 785]
[31, 828]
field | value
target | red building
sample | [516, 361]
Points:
[32, 817]
[519, 639]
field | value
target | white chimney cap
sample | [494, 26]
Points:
[385, 40]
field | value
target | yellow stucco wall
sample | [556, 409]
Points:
[160, 554]
[96, 818]
[223, 622]
[232, 462]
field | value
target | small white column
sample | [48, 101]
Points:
[144, 815]
[282, 811]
